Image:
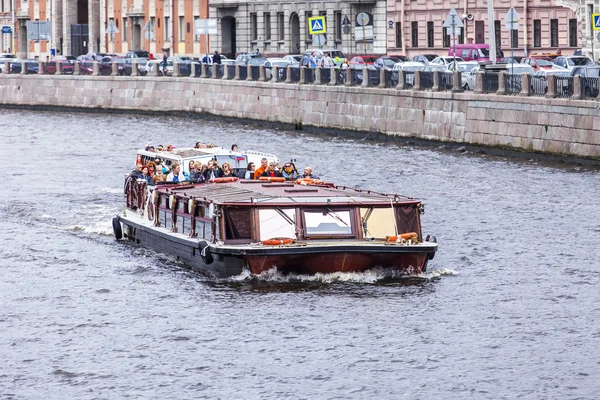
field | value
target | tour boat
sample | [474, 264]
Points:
[226, 226]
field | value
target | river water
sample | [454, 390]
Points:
[509, 308]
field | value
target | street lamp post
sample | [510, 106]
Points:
[491, 31]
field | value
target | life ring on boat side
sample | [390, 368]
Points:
[278, 241]
[205, 253]
[272, 178]
[309, 181]
[404, 236]
[117, 230]
[223, 180]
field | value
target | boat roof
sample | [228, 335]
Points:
[263, 193]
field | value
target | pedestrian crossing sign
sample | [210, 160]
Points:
[596, 21]
[316, 25]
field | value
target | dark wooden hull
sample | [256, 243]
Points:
[229, 260]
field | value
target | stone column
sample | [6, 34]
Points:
[77, 68]
[225, 72]
[551, 90]
[275, 74]
[401, 80]
[502, 83]
[41, 68]
[95, 69]
[237, 73]
[214, 71]
[417, 82]
[69, 17]
[23, 68]
[59, 70]
[288, 74]
[6, 69]
[456, 82]
[135, 69]
[577, 89]
[366, 82]
[115, 69]
[525, 85]
[436, 81]
[248, 72]
[478, 83]
[382, 78]
[193, 70]
[175, 69]
[348, 77]
[203, 70]
[261, 73]
[94, 22]
[333, 73]
[302, 75]
[317, 80]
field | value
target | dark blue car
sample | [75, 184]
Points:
[32, 66]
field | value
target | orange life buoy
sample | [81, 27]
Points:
[404, 236]
[309, 181]
[272, 178]
[222, 180]
[277, 241]
[139, 159]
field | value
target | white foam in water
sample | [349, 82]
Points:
[371, 276]
[112, 190]
[99, 228]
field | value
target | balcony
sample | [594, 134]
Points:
[22, 13]
[136, 11]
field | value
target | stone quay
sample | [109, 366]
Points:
[553, 126]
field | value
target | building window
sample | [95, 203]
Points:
[253, 27]
[514, 38]
[446, 38]
[553, 33]
[430, 37]
[124, 29]
[181, 29]
[168, 29]
[337, 18]
[281, 26]
[479, 32]
[267, 17]
[497, 33]
[398, 34]
[537, 33]
[573, 33]
[196, 23]
[414, 33]
[461, 36]
[153, 29]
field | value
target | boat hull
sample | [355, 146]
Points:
[300, 258]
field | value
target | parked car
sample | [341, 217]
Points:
[474, 52]
[538, 63]
[244, 58]
[463, 66]
[589, 86]
[410, 67]
[32, 66]
[6, 57]
[281, 63]
[539, 81]
[513, 83]
[87, 67]
[388, 62]
[66, 66]
[512, 60]
[425, 58]
[446, 60]
[356, 70]
[469, 80]
[293, 58]
[162, 70]
[137, 54]
[570, 62]
[127, 66]
[362, 61]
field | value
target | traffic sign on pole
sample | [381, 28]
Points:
[316, 25]
[596, 21]
[512, 19]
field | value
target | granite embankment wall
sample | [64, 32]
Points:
[553, 126]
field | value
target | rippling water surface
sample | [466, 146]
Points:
[510, 306]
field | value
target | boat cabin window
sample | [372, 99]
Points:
[328, 222]
[277, 223]
[378, 222]
[237, 223]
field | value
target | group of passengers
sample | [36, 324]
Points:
[275, 170]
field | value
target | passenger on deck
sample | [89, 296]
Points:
[137, 171]
[146, 176]
[227, 171]
[196, 173]
[308, 173]
[249, 171]
[289, 172]
[271, 171]
[151, 168]
[176, 175]
[213, 171]
[234, 147]
[264, 163]
[160, 148]
[159, 176]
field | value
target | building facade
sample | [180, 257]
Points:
[6, 22]
[276, 28]
[415, 27]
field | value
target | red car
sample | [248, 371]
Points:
[538, 63]
[67, 67]
[362, 60]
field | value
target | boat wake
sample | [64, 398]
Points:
[372, 276]
[102, 228]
